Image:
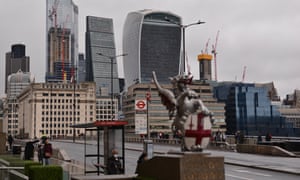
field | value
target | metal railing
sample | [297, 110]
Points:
[12, 173]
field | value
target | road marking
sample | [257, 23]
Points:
[238, 177]
[250, 172]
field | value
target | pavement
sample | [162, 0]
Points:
[289, 165]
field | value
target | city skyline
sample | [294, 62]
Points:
[261, 35]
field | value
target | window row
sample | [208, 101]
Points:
[60, 113]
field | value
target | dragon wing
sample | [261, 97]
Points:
[167, 97]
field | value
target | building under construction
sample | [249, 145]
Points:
[62, 40]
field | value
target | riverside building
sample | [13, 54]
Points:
[49, 109]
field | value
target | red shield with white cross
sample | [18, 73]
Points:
[197, 130]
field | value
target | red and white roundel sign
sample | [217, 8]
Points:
[140, 105]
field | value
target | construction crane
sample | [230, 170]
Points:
[53, 12]
[205, 51]
[244, 73]
[63, 49]
[214, 52]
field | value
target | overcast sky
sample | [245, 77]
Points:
[263, 35]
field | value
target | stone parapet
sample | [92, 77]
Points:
[264, 150]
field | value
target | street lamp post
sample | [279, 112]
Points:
[183, 27]
[111, 78]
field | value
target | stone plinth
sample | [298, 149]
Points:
[184, 166]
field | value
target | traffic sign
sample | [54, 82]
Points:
[140, 105]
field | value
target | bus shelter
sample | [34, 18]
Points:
[109, 136]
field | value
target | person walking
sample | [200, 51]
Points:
[10, 140]
[143, 157]
[47, 151]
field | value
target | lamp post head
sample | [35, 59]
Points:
[101, 54]
[200, 22]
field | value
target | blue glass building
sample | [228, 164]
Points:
[249, 109]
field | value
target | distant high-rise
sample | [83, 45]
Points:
[152, 44]
[81, 69]
[100, 39]
[62, 39]
[16, 60]
[205, 66]
[16, 83]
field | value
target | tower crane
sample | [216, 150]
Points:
[205, 51]
[63, 48]
[53, 12]
[244, 73]
[214, 52]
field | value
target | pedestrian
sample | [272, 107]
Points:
[143, 157]
[40, 153]
[29, 150]
[259, 139]
[237, 137]
[10, 140]
[268, 136]
[114, 163]
[47, 152]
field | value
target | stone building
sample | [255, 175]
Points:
[49, 109]
[158, 114]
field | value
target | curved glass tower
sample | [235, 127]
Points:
[152, 44]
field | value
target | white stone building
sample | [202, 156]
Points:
[49, 109]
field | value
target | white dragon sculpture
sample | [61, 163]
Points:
[181, 103]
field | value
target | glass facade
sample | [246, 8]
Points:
[152, 44]
[101, 69]
[249, 109]
[62, 37]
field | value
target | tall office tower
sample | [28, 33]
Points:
[205, 66]
[16, 60]
[152, 44]
[62, 39]
[101, 69]
[81, 69]
[16, 83]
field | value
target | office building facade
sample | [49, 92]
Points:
[158, 115]
[17, 82]
[62, 39]
[249, 109]
[101, 69]
[50, 109]
[152, 44]
[16, 60]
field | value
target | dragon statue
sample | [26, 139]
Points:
[181, 103]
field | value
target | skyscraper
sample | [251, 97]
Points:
[81, 69]
[16, 83]
[100, 39]
[62, 39]
[205, 66]
[16, 60]
[152, 44]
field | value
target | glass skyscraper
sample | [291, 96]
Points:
[249, 109]
[152, 44]
[16, 60]
[62, 39]
[100, 39]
